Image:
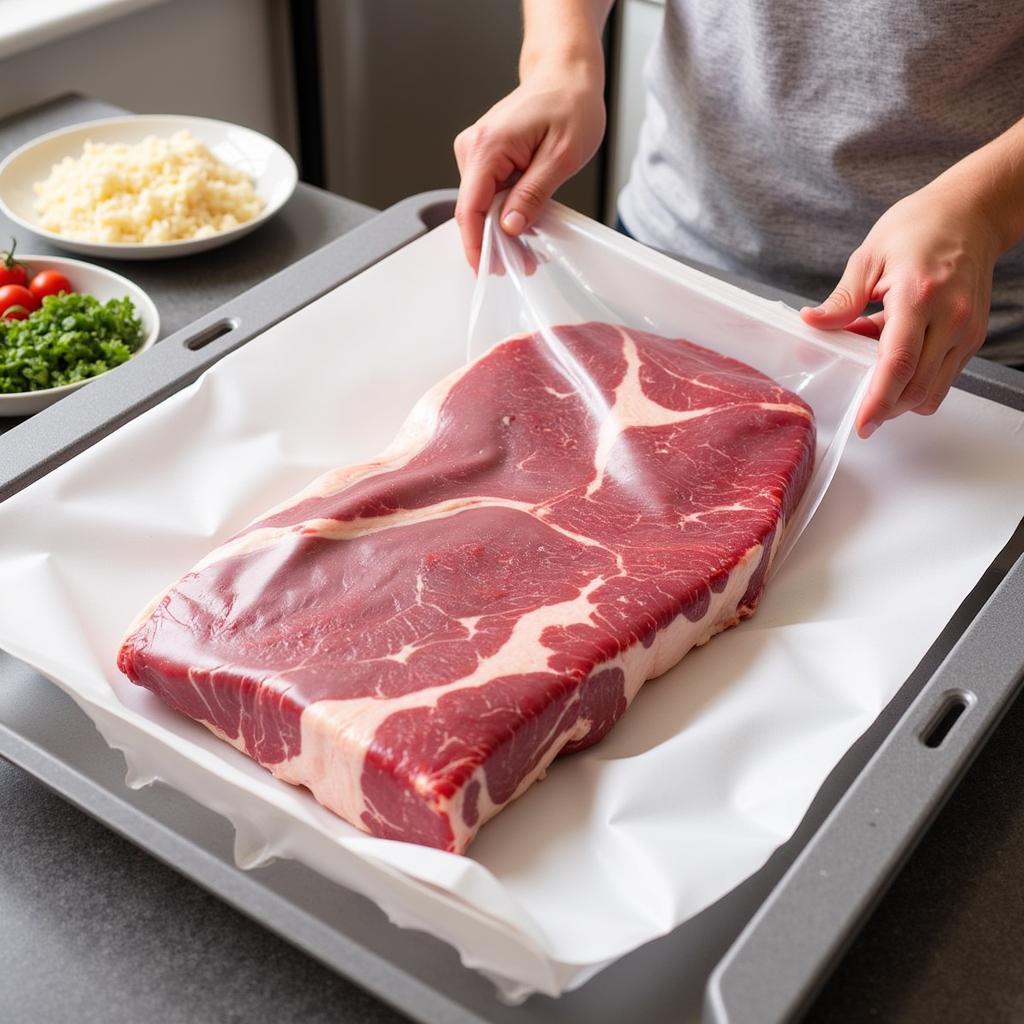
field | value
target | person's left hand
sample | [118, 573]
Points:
[929, 261]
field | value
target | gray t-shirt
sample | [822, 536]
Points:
[778, 131]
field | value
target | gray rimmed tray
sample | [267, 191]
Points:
[756, 955]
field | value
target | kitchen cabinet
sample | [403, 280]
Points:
[227, 60]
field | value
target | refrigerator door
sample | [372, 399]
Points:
[401, 80]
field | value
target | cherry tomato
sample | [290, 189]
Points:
[11, 271]
[49, 282]
[16, 302]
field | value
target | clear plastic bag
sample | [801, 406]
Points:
[568, 269]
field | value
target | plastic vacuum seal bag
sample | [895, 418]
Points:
[568, 270]
[715, 763]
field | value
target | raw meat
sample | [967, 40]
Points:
[417, 638]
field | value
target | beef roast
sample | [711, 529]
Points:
[416, 638]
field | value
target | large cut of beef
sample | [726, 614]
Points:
[416, 638]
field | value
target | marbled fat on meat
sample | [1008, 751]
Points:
[417, 638]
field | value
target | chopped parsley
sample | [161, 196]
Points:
[68, 339]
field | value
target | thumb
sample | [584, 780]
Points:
[848, 299]
[529, 194]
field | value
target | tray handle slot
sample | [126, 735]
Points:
[434, 214]
[941, 724]
[211, 333]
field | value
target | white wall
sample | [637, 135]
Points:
[214, 58]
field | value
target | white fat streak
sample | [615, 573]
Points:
[406, 651]
[632, 407]
[350, 529]
[736, 506]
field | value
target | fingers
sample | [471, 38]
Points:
[951, 368]
[951, 338]
[899, 351]
[486, 166]
[924, 344]
[469, 215]
[850, 295]
[869, 326]
[550, 167]
[937, 343]
[484, 169]
[949, 331]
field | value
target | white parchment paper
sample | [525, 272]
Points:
[707, 774]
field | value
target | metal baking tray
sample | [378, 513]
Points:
[756, 956]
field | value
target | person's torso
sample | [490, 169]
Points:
[778, 131]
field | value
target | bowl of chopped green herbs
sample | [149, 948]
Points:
[52, 344]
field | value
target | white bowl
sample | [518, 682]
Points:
[90, 280]
[271, 168]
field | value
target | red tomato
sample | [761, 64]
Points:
[11, 271]
[14, 274]
[49, 282]
[16, 302]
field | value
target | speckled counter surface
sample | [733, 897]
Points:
[94, 931]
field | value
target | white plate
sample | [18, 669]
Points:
[90, 280]
[271, 168]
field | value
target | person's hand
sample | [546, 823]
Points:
[544, 132]
[929, 261]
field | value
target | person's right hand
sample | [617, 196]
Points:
[544, 131]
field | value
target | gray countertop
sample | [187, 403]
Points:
[94, 930]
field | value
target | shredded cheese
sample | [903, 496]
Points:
[157, 190]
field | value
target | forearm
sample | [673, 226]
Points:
[992, 177]
[566, 32]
